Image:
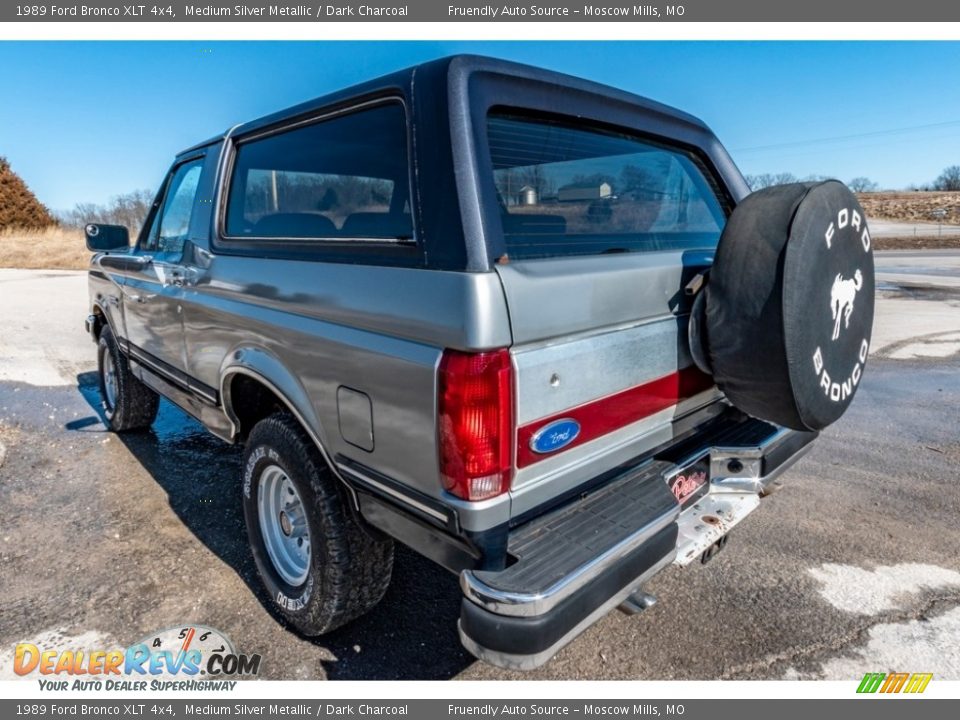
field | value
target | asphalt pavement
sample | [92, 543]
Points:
[851, 567]
[907, 228]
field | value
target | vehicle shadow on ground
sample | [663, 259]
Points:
[411, 634]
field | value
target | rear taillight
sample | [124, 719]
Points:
[475, 423]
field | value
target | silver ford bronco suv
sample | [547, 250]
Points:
[532, 327]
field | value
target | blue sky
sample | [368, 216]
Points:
[87, 120]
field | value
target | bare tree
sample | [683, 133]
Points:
[765, 180]
[129, 210]
[862, 184]
[949, 179]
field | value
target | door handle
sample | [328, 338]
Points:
[184, 276]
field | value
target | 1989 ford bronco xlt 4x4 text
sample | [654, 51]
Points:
[533, 327]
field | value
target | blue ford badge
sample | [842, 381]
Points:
[554, 436]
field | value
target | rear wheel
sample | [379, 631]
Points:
[128, 404]
[316, 561]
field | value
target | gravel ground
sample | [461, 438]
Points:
[851, 567]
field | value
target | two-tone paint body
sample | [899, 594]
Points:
[349, 333]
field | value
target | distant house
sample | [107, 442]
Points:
[584, 191]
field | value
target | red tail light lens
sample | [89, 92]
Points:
[475, 421]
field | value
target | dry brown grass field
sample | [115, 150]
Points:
[912, 206]
[54, 248]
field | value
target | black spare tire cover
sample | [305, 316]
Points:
[788, 310]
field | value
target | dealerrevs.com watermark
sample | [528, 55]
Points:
[187, 657]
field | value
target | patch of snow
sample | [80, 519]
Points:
[869, 592]
[914, 646]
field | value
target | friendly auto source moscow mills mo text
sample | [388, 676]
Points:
[494, 11]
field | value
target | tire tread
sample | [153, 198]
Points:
[137, 404]
[356, 567]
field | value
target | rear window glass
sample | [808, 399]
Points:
[566, 190]
[344, 178]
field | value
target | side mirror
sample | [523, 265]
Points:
[106, 238]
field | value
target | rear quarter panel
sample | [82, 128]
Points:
[376, 330]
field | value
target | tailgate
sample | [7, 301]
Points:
[600, 341]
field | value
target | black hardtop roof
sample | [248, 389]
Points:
[441, 75]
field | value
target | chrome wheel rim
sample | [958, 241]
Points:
[283, 525]
[109, 380]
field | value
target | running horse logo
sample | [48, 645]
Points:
[841, 300]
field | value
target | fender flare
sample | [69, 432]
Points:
[101, 305]
[264, 367]
[96, 309]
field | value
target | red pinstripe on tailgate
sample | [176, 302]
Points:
[602, 416]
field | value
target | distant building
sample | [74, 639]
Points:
[584, 191]
[528, 196]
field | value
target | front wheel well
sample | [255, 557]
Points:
[99, 321]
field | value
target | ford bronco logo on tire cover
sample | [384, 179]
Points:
[842, 296]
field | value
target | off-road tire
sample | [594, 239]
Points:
[349, 567]
[135, 405]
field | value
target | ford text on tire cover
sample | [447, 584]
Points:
[532, 327]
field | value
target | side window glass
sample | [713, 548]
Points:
[172, 225]
[340, 179]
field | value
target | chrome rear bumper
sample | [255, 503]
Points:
[749, 469]
[616, 538]
[739, 477]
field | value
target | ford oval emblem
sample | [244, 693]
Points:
[554, 436]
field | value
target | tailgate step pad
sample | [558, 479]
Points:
[553, 551]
